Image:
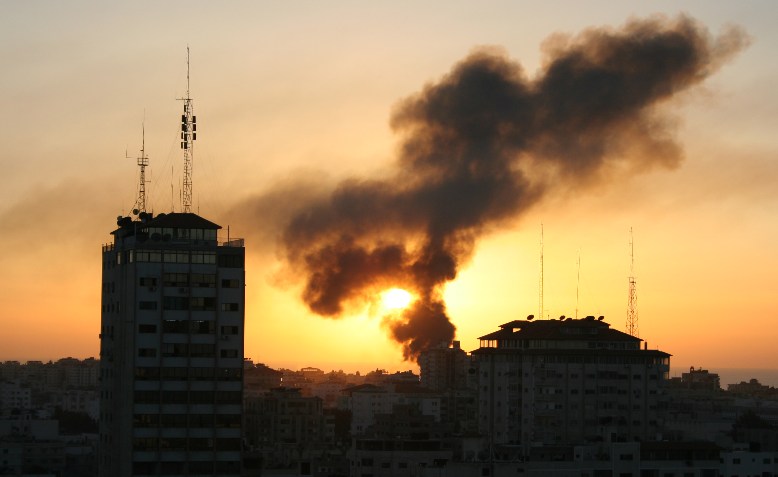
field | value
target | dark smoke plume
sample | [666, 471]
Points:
[483, 145]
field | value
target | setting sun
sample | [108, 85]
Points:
[396, 298]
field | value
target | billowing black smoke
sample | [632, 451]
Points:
[483, 145]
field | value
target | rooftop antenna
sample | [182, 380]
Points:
[143, 161]
[632, 300]
[578, 284]
[540, 284]
[188, 136]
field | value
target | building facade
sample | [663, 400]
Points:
[171, 348]
[567, 382]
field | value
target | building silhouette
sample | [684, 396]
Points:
[171, 349]
[566, 382]
[443, 367]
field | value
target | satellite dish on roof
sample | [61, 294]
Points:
[600, 318]
[530, 317]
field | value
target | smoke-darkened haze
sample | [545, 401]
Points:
[481, 146]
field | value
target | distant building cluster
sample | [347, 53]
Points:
[514, 406]
[172, 393]
[48, 417]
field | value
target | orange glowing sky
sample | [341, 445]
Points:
[285, 90]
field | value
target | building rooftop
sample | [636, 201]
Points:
[181, 220]
[564, 329]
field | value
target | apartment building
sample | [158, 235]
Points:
[171, 348]
[566, 382]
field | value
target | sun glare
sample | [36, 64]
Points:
[396, 298]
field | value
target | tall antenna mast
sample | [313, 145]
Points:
[540, 284]
[188, 136]
[632, 300]
[143, 161]
[578, 284]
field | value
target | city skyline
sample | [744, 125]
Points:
[290, 98]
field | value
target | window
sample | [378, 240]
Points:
[145, 420]
[144, 468]
[203, 280]
[146, 397]
[173, 397]
[147, 328]
[145, 374]
[229, 307]
[200, 374]
[226, 467]
[200, 467]
[230, 283]
[229, 330]
[175, 303]
[201, 397]
[202, 303]
[144, 443]
[227, 420]
[147, 352]
[228, 397]
[173, 256]
[175, 326]
[174, 373]
[204, 257]
[200, 420]
[231, 261]
[174, 350]
[147, 281]
[199, 443]
[229, 353]
[147, 305]
[202, 327]
[201, 350]
[230, 374]
[227, 444]
[175, 279]
[148, 256]
[173, 443]
[173, 420]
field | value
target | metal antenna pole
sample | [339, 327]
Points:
[632, 299]
[578, 284]
[188, 136]
[540, 287]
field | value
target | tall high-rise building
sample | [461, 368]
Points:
[444, 368]
[568, 382]
[171, 348]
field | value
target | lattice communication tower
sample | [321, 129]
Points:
[188, 136]
[143, 161]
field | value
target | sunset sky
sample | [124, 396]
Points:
[304, 91]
